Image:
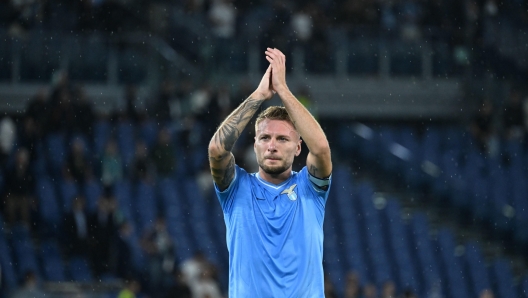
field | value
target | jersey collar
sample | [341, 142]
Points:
[271, 185]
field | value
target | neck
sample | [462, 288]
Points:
[275, 178]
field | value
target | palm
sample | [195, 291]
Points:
[265, 87]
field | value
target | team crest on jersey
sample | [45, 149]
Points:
[291, 194]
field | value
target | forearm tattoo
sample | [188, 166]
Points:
[230, 129]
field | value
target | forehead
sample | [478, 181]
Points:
[280, 127]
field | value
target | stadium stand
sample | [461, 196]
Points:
[405, 192]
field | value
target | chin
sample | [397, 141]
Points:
[276, 170]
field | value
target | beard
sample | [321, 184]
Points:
[275, 169]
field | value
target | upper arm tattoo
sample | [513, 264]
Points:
[223, 176]
[313, 170]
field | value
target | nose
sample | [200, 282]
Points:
[271, 146]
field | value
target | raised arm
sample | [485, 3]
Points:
[319, 161]
[221, 160]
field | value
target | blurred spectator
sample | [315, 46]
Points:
[20, 185]
[142, 169]
[302, 24]
[131, 98]
[162, 105]
[103, 230]
[84, 113]
[370, 291]
[38, 110]
[76, 229]
[131, 289]
[222, 16]
[8, 133]
[410, 13]
[25, 14]
[112, 165]
[193, 267]
[206, 285]
[124, 263]
[486, 293]
[30, 288]
[408, 293]
[164, 154]
[513, 116]
[29, 137]
[329, 289]
[62, 117]
[483, 128]
[77, 165]
[354, 13]
[179, 288]
[388, 290]
[159, 247]
[352, 286]
[201, 101]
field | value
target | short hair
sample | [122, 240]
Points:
[273, 113]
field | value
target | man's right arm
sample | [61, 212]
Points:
[221, 160]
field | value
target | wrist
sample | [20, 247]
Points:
[258, 96]
[282, 90]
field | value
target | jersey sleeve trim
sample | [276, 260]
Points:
[320, 184]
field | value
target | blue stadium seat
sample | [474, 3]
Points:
[24, 251]
[102, 133]
[524, 287]
[68, 191]
[502, 274]
[519, 200]
[79, 270]
[125, 134]
[49, 210]
[123, 195]
[428, 263]
[376, 245]
[51, 261]
[56, 151]
[500, 196]
[175, 212]
[149, 132]
[198, 214]
[342, 196]
[478, 273]
[9, 275]
[93, 190]
[457, 282]
[145, 205]
[333, 264]
[401, 252]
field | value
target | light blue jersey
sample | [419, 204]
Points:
[274, 236]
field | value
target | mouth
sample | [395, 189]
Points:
[272, 157]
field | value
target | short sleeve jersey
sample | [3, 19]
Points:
[274, 235]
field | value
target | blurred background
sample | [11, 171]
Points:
[108, 107]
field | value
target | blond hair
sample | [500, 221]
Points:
[273, 113]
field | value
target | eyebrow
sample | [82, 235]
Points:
[269, 134]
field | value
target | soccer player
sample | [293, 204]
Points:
[274, 218]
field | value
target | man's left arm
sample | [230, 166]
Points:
[319, 161]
